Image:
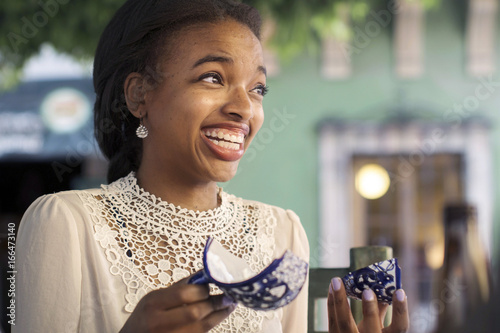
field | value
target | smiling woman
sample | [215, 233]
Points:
[179, 89]
[214, 81]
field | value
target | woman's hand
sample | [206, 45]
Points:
[179, 308]
[340, 319]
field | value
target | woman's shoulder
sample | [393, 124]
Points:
[68, 198]
[53, 208]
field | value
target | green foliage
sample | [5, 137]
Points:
[71, 26]
[74, 26]
[303, 23]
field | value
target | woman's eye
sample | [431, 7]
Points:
[261, 89]
[212, 78]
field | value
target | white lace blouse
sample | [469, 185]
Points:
[86, 258]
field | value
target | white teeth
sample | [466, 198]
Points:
[227, 145]
[214, 134]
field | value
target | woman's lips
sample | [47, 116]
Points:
[227, 144]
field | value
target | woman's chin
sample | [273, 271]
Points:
[223, 176]
[226, 178]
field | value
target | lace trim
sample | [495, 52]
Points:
[152, 244]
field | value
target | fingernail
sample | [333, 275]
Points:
[368, 295]
[227, 301]
[400, 295]
[336, 283]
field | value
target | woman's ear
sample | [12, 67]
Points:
[135, 94]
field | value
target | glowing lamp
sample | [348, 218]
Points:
[372, 181]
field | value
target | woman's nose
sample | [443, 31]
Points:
[239, 104]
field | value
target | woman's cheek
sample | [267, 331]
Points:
[259, 120]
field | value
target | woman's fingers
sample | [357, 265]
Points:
[201, 314]
[371, 318]
[340, 319]
[382, 311]
[179, 308]
[176, 295]
[209, 321]
[400, 317]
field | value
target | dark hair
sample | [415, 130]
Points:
[132, 42]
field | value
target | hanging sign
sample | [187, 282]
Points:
[65, 110]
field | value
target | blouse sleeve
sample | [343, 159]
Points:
[295, 314]
[48, 263]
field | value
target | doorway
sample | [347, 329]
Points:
[408, 218]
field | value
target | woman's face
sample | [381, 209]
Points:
[208, 106]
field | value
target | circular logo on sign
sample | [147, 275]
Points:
[65, 110]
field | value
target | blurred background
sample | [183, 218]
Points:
[379, 113]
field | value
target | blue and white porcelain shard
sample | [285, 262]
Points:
[384, 278]
[275, 286]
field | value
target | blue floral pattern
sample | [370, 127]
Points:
[384, 278]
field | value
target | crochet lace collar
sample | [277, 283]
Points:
[128, 186]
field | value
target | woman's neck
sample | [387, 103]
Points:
[200, 197]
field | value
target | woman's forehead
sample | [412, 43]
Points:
[228, 38]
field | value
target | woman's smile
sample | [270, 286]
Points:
[226, 141]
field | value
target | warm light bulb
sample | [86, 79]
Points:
[372, 181]
[434, 254]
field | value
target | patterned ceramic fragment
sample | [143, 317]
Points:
[275, 286]
[384, 278]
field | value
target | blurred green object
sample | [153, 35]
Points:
[74, 27]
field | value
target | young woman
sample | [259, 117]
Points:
[179, 89]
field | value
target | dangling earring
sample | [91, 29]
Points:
[141, 131]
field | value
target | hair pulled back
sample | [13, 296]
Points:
[132, 42]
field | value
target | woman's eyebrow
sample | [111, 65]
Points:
[221, 59]
[212, 58]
